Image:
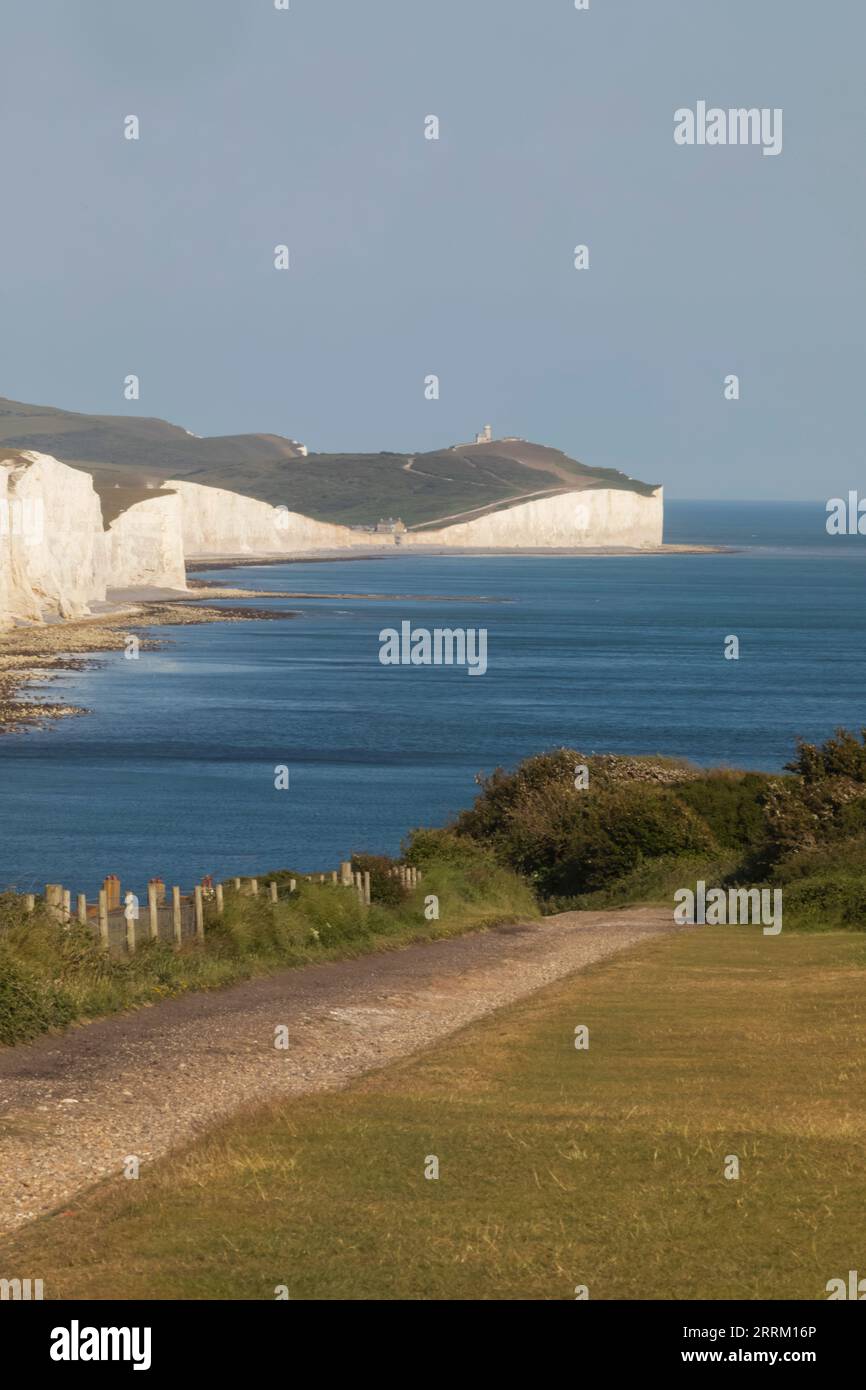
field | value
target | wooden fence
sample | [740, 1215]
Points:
[181, 917]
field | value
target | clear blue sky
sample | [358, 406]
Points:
[412, 257]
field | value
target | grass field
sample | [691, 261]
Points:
[348, 488]
[558, 1167]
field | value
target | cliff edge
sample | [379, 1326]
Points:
[70, 534]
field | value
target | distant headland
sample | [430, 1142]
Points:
[95, 503]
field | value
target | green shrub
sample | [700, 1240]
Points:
[511, 803]
[731, 804]
[614, 832]
[843, 755]
[29, 1006]
[652, 881]
[826, 902]
[569, 839]
[385, 887]
[424, 845]
[824, 801]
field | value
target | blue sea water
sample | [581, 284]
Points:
[172, 772]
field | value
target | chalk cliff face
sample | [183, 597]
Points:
[144, 546]
[217, 522]
[593, 517]
[52, 556]
[56, 557]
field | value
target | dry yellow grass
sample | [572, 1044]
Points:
[558, 1167]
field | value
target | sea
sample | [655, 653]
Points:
[248, 747]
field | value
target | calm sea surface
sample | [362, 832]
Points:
[173, 771]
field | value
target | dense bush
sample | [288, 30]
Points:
[385, 887]
[636, 813]
[652, 881]
[613, 832]
[570, 840]
[843, 755]
[524, 815]
[29, 1002]
[424, 845]
[732, 805]
[28, 1005]
[825, 801]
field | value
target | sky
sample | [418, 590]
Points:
[411, 257]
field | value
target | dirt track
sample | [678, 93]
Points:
[72, 1107]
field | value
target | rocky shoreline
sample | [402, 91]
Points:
[36, 654]
[326, 557]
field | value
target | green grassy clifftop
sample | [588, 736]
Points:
[462, 482]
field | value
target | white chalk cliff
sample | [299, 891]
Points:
[217, 522]
[52, 554]
[566, 520]
[57, 558]
[144, 546]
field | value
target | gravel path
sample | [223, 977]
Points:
[73, 1106]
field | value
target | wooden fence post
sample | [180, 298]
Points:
[103, 918]
[346, 872]
[273, 891]
[254, 887]
[199, 913]
[54, 900]
[82, 909]
[128, 912]
[111, 885]
[367, 891]
[333, 875]
[153, 911]
[177, 921]
[237, 884]
[292, 885]
[220, 900]
[30, 902]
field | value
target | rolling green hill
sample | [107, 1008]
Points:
[132, 454]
